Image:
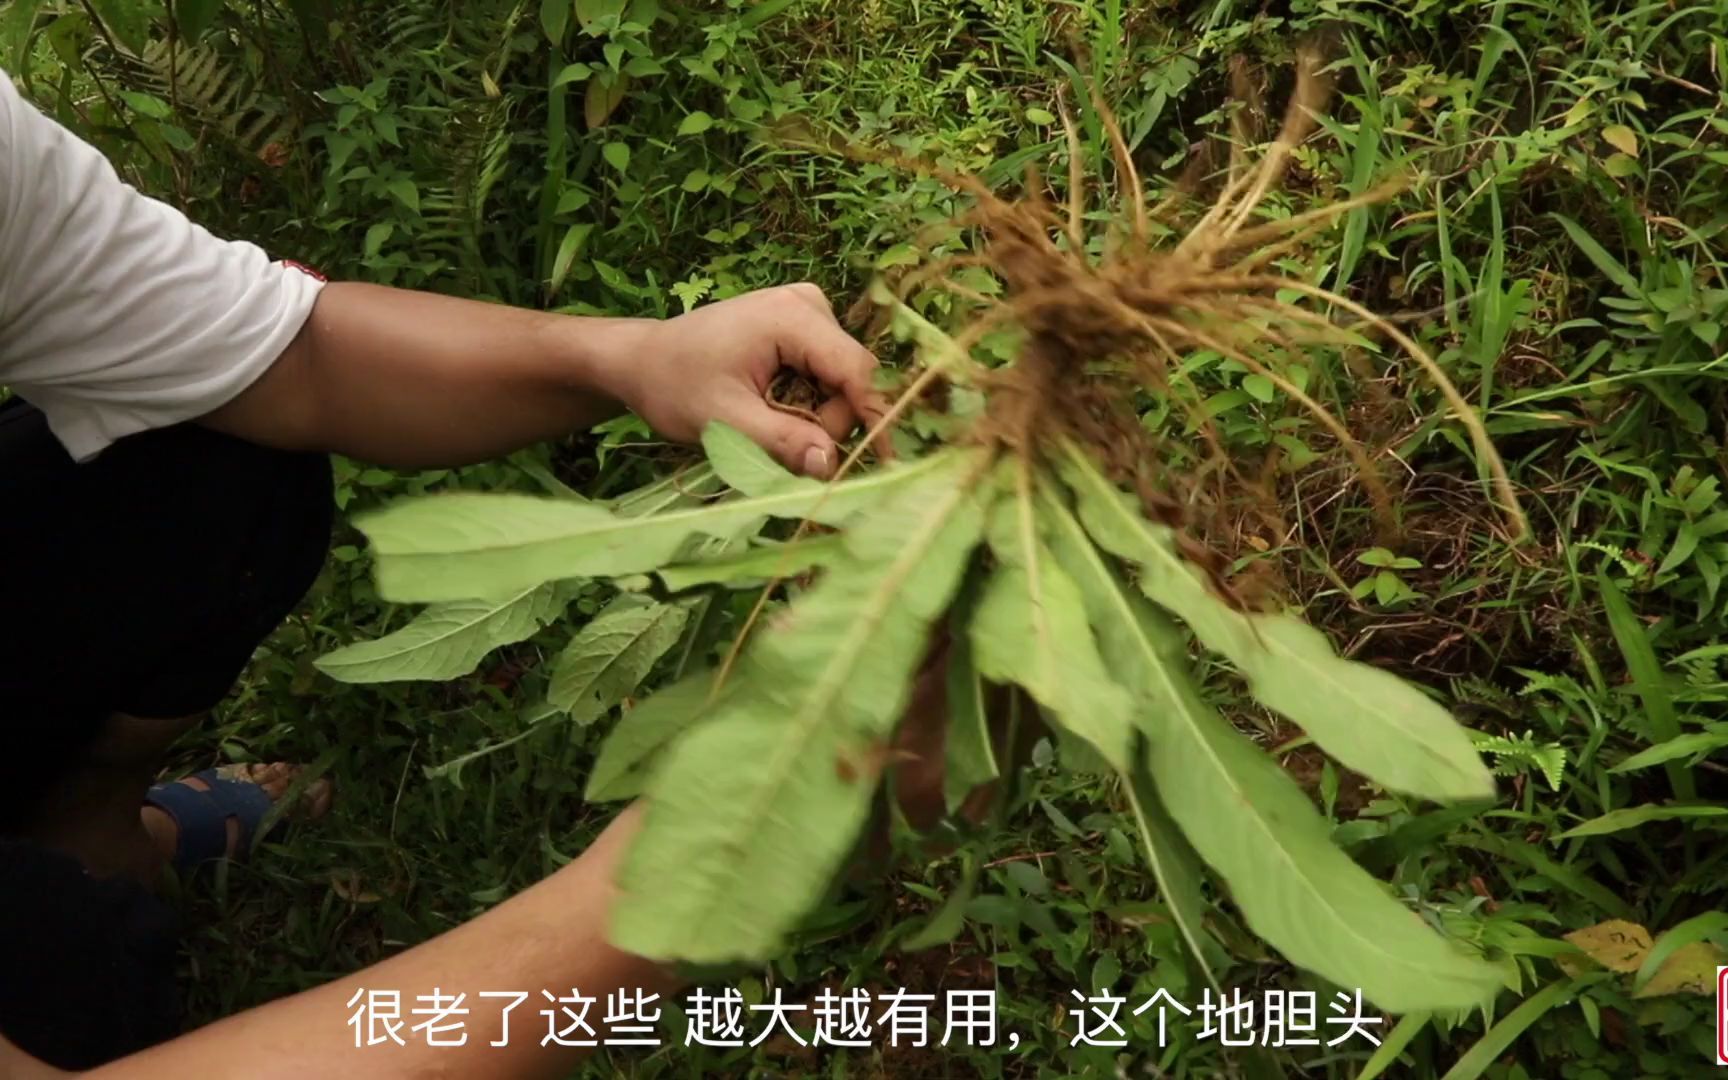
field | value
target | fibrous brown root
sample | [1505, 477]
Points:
[1101, 331]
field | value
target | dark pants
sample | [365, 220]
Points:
[139, 584]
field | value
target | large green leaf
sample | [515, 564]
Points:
[1631, 817]
[1031, 629]
[451, 547]
[627, 758]
[1248, 820]
[754, 565]
[448, 640]
[1370, 720]
[750, 815]
[610, 656]
[1252, 824]
[1691, 744]
[1128, 638]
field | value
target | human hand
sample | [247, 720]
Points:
[716, 363]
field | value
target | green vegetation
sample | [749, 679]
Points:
[1561, 173]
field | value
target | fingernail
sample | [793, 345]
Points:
[816, 462]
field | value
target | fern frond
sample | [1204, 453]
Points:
[1631, 568]
[216, 95]
[1515, 757]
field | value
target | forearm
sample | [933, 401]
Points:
[411, 380]
[551, 936]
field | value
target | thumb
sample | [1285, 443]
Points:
[797, 444]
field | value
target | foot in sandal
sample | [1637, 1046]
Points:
[216, 813]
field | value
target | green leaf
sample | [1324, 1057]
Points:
[406, 192]
[696, 123]
[1132, 639]
[935, 348]
[555, 19]
[1621, 138]
[602, 99]
[1619, 166]
[574, 237]
[1630, 817]
[1031, 629]
[1647, 678]
[570, 73]
[455, 546]
[590, 12]
[969, 757]
[1710, 925]
[762, 12]
[609, 657]
[751, 815]
[448, 640]
[617, 155]
[1251, 823]
[1370, 720]
[16, 24]
[1174, 866]
[1685, 543]
[950, 919]
[755, 565]
[1689, 969]
[745, 466]
[1597, 254]
[1039, 116]
[1494, 1043]
[1248, 819]
[145, 104]
[1567, 877]
[126, 20]
[623, 768]
[1259, 387]
[694, 486]
[1387, 1053]
[898, 255]
[1681, 746]
[193, 17]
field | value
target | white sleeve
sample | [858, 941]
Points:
[117, 314]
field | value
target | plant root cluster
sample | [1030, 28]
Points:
[1103, 322]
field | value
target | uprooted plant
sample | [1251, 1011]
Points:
[1044, 537]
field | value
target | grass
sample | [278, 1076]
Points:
[1563, 169]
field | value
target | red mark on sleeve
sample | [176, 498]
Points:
[303, 268]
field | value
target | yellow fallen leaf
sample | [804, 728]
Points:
[1691, 970]
[1621, 138]
[1617, 945]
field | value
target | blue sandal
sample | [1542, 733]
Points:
[202, 816]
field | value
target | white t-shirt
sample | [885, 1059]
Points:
[117, 314]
